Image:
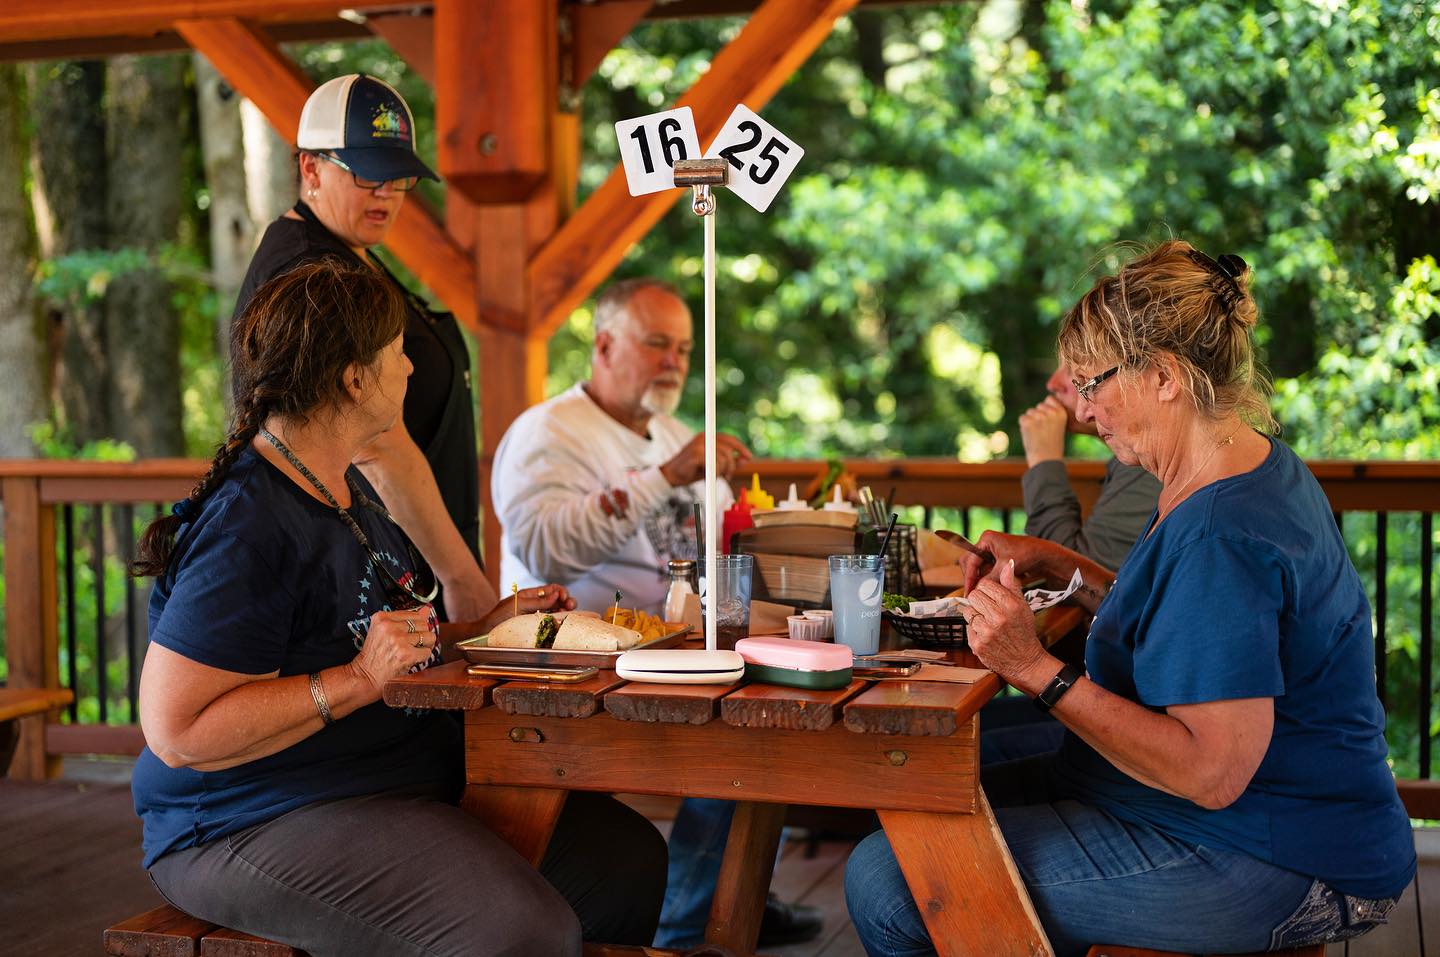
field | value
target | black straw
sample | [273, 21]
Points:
[699, 539]
[885, 539]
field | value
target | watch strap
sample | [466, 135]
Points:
[1061, 683]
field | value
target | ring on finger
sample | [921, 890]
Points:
[410, 628]
[419, 642]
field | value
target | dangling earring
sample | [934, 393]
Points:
[310, 194]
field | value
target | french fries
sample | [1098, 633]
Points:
[649, 626]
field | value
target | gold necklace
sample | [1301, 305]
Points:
[1196, 474]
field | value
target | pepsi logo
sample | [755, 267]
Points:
[869, 592]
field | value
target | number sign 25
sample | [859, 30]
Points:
[651, 145]
[761, 157]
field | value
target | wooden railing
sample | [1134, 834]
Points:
[40, 498]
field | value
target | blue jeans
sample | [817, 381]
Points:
[697, 846]
[1094, 879]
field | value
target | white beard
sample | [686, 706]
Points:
[660, 400]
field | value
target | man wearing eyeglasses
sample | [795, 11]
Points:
[1052, 511]
[357, 163]
[595, 489]
[1128, 493]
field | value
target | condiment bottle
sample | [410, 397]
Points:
[736, 518]
[838, 504]
[794, 503]
[759, 499]
[682, 583]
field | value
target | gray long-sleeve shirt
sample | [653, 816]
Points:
[1127, 500]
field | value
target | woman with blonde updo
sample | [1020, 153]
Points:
[1222, 786]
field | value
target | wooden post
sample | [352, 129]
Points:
[495, 90]
[502, 238]
[31, 616]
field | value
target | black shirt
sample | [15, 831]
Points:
[439, 408]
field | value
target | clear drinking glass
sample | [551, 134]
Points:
[733, 574]
[857, 584]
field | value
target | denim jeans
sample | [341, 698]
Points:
[1094, 879]
[697, 846]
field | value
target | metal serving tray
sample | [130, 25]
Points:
[476, 650]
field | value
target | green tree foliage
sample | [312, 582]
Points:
[965, 176]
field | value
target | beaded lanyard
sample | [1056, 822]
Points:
[359, 496]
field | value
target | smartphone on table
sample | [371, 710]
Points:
[546, 673]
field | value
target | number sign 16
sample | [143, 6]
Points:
[761, 157]
[651, 145]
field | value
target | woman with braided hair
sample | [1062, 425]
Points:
[1222, 785]
[279, 795]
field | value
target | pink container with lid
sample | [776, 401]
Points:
[796, 655]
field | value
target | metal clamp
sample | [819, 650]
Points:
[700, 175]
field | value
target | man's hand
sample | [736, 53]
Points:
[688, 465]
[1042, 431]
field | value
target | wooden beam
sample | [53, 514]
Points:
[168, 41]
[254, 65]
[412, 36]
[491, 110]
[55, 19]
[751, 68]
[598, 28]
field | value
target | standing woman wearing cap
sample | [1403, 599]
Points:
[356, 163]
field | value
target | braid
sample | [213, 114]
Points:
[156, 545]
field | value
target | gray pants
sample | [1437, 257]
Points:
[398, 874]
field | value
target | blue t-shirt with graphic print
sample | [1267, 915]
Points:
[1246, 591]
[266, 578]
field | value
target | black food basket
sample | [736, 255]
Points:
[939, 633]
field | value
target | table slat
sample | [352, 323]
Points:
[798, 709]
[666, 703]
[579, 699]
[446, 687]
[926, 708]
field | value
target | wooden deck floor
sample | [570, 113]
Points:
[70, 867]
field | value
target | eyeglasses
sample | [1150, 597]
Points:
[1086, 390]
[403, 184]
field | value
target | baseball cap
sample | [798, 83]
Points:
[366, 124]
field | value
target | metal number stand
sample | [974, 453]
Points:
[702, 175]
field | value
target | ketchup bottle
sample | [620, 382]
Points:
[736, 518]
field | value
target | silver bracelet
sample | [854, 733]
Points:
[322, 704]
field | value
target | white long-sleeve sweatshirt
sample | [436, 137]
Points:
[554, 471]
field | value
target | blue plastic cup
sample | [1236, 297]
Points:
[857, 585]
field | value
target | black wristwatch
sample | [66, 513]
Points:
[1058, 685]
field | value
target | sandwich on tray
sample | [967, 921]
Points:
[579, 632]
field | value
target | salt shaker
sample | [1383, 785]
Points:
[682, 583]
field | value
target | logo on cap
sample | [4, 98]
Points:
[388, 124]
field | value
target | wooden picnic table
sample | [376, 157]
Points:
[908, 750]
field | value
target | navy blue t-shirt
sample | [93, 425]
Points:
[1246, 591]
[266, 579]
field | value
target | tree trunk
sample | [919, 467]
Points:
[270, 176]
[68, 161]
[21, 397]
[146, 123]
[232, 231]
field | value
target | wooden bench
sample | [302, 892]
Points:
[1106, 950]
[17, 703]
[168, 932]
